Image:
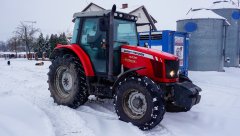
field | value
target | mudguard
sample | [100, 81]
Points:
[83, 57]
[126, 74]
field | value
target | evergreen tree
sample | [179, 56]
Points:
[63, 39]
[52, 43]
[40, 45]
[54, 40]
[47, 47]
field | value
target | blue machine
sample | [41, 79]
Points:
[173, 42]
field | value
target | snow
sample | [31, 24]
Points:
[26, 108]
[202, 14]
[23, 53]
[218, 112]
[18, 117]
[224, 5]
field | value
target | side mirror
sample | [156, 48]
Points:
[146, 45]
[103, 24]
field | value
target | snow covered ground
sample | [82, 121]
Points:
[26, 108]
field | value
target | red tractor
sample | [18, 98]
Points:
[105, 60]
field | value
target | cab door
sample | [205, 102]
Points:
[92, 41]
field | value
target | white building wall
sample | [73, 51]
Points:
[142, 18]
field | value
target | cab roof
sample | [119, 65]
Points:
[117, 14]
[91, 13]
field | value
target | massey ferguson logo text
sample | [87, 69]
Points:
[137, 53]
[133, 52]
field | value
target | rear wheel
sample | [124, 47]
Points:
[139, 100]
[67, 81]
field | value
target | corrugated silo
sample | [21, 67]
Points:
[207, 30]
[231, 12]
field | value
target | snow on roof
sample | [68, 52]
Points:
[224, 5]
[202, 14]
[19, 53]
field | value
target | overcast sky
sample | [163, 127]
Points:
[55, 16]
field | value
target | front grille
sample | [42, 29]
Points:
[157, 68]
[144, 37]
[172, 65]
[153, 37]
[156, 37]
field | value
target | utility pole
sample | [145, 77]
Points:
[32, 22]
[26, 36]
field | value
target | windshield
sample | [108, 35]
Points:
[125, 32]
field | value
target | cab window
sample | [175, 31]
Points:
[91, 41]
[125, 32]
[76, 30]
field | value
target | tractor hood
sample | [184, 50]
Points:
[147, 52]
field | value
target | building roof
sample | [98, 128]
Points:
[224, 4]
[89, 5]
[202, 14]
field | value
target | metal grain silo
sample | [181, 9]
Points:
[231, 12]
[206, 43]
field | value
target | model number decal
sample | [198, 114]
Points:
[136, 53]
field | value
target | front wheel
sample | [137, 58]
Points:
[139, 100]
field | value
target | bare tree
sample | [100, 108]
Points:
[3, 46]
[26, 34]
[13, 44]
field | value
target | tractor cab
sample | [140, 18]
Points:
[100, 34]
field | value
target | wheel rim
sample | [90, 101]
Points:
[64, 81]
[67, 81]
[135, 104]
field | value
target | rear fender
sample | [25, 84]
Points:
[79, 52]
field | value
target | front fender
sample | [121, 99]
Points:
[125, 75]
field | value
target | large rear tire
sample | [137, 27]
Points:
[67, 81]
[140, 101]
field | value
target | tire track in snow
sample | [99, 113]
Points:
[29, 82]
[107, 124]
[109, 120]
[94, 118]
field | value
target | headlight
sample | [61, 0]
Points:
[121, 15]
[172, 73]
[172, 67]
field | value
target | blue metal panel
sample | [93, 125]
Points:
[236, 15]
[173, 42]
